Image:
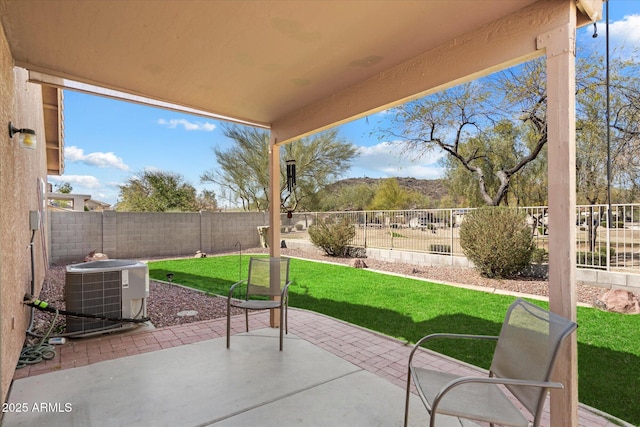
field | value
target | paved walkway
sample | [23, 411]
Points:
[381, 355]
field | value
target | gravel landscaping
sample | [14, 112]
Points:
[167, 300]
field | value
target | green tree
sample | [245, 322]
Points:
[244, 168]
[345, 198]
[64, 188]
[157, 191]
[390, 196]
[206, 201]
[591, 129]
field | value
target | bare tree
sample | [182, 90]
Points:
[478, 130]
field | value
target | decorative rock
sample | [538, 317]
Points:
[95, 256]
[356, 252]
[358, 263]
[620, 301]
[188, 313]
[200, 255]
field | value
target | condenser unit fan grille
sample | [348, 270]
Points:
[97, 293]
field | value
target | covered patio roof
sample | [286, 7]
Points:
[257, 61]
[263, 62]
[298, 67]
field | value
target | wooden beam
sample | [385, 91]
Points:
[559, 46]
[498, 45]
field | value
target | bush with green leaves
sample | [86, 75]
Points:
[539, 256]
[497, 240]
[439, 248]
[596, 260]
[332, 235]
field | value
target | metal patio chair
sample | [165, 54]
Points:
[523, 361]
[257, 284]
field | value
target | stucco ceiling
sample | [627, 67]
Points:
[250, 60]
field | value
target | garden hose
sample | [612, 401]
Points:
[31, 301]
[36, 353]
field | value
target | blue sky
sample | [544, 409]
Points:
[108, 141]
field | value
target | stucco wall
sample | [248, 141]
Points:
[139, 235]
[20, 171]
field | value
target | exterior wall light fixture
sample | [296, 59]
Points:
[27, 137]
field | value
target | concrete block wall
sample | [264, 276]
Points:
[229, 228]
[152, 234]
[74, 234]
[146, 234]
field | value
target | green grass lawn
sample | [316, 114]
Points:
[608, 343]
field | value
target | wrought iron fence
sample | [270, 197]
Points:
[610, 242]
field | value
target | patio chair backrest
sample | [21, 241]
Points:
[527, 348]
[258, 281]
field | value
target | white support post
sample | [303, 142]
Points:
[560, 50]
[274, 223]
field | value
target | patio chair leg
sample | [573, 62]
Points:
[246, 316]
[281, 320]
[406, 403]
[228, 324]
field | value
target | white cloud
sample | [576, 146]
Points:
[82, 181]
[627, 30]
[74, 154]
[389, 159]
[187, 125]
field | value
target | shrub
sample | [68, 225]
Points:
[539, 256]
[612, 251]
[614, 224]
[592, 259]
[333, 236]
[440, 248]
[497, 240]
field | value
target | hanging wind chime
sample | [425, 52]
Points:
[291, 180]
[291, 175]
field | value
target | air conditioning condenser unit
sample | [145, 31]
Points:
[114, 288]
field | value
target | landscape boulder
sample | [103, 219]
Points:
[358, 263]
[620, 301]
[95, 256]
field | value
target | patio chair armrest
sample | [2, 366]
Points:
[234, 286]
[489, 380]
[424, 339]
[285, 290]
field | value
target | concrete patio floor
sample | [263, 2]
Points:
[330, 374]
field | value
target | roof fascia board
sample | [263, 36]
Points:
[498, 45]
[66, 83]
